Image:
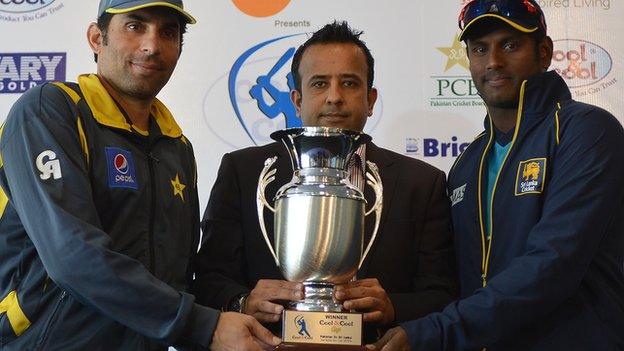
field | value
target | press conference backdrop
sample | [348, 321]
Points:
[231, 86]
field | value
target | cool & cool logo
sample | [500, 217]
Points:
[581, 63]
[21, 6]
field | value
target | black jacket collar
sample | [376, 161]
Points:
[540, 96]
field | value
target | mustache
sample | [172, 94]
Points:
[334, 114]
[492, 75]
[149, 61]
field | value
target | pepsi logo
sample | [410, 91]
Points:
[121, 172]
[121, 164]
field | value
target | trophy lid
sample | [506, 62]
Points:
[320, 147]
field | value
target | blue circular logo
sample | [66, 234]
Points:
[258, 88]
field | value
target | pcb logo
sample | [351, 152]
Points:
[530, 177]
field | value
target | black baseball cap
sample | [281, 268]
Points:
[523, 15]
[124, 6]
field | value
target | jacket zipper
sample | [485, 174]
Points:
[152, 260]
[486, 252]
[485, 263]
[51, 321]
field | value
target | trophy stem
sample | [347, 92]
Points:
[319, 297]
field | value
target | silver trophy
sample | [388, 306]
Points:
[319, 214]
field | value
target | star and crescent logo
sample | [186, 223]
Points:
[178, 187]
[456, 54]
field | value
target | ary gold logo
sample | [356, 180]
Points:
[453, 87]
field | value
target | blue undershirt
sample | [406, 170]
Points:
[494, 162]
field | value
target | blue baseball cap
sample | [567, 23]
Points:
[124, 6]
[523, 15]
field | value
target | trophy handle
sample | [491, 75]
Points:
[265, 178]
[374, 180]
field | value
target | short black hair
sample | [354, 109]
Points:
[103, 22]
[335, 32]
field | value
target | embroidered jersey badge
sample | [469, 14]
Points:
[121, 170]
[458, 195]
[530, 177]
[48, 165]
[178, 187]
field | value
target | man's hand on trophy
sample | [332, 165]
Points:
[261, 302]
[368, 296]
[395, 339]
[237, 331]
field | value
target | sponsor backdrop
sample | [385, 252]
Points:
[230, 89]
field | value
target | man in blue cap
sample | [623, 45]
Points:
[99, 213]
[537, 204]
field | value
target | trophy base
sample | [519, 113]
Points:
[305, 330]
[314, 347]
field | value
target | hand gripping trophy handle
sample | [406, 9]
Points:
[266, 177]
[374, 180]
